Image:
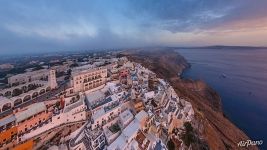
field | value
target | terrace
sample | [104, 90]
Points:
[23, 88]
[101, 102]
[72, 106]
[114, 128]
[171, 107]
[142, 141]
[93, 134]
[110, 107]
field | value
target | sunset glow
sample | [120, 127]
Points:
[72, 25]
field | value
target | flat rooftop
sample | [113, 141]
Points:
[4, 100]
[7, 120]
[30, 111]
[93, 97]
[102, 102]
[128, 133]
[126, 115]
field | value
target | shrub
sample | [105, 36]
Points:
[188, 135]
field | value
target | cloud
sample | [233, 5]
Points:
[58, 32]
[83, 24]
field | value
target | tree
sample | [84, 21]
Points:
[74, 65]
[188, 135]
[171, 145]
[69, 72]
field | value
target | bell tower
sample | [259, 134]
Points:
[52, 80]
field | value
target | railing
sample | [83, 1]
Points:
[72, 141]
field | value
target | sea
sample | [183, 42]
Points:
[240, 78]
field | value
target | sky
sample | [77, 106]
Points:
[57, 25]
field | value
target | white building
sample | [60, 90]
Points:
[43, 74]
[83, 67]
[83, 80]
[125, 118]
[74, 111]
[52, 80]
[149, 95]
[124, 141]
[109, 109]
[94, 98]
[87, 139]
[5, 104]
[22, 93]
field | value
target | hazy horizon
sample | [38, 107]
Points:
[55, 51]
[42, 26]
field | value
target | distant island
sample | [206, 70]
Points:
[223, 47]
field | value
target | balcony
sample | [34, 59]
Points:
[92, 79]
[110, 107]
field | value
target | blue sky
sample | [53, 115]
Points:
[56, 25]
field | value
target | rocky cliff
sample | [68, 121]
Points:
[210, 122]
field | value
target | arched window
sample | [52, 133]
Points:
[17, 102]
[48, 89]
[8, 93]
[6, 106]
[26, 98]
[35, 94]
[42, 91]
[17, 92]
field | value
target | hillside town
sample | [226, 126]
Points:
[102, 103]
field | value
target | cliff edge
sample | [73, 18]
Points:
[217, 131]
